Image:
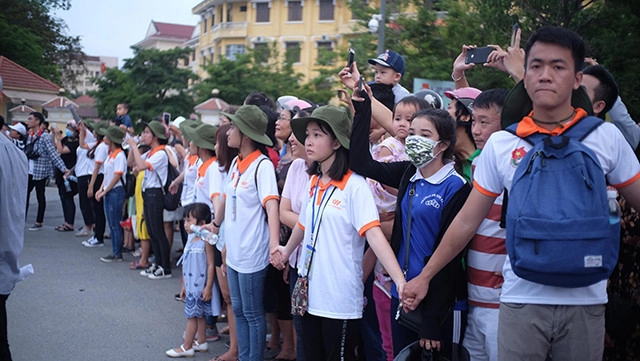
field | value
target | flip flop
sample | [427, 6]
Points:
[136, 265]
[64, 228]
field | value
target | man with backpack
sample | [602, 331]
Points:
[545, 309]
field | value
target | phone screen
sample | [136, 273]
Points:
[514, 31]
[478, 55]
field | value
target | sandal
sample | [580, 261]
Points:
[63, 228]
[137, 265]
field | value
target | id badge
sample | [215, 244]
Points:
[308, 252]
[233, 207]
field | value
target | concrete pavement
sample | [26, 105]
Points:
[75, 307]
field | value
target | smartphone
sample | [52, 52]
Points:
[166, 118]
[360, 85]
[351, 58]
[478, 55]
[514, 31]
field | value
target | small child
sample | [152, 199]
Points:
[122, 118]
[198, 271]
[389, 69]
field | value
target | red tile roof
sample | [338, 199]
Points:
[15, 76]
[59, 102]
[167, 30]
[22, 109]
[85, 100]
[211, 104]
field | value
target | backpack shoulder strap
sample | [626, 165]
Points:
[584, 127]
[532, 139]
[255, 174]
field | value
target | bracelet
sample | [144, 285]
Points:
[214, 224]
[460, 78]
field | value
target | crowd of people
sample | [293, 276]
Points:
[335, 225]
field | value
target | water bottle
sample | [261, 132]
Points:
[67, 185]
[73, 178]
[206, 235]
[614, 207]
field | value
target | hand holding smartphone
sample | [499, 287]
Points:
[514, 33]
[478, 55]
[360, 85]
[351, 58]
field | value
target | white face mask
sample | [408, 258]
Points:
[420, 150]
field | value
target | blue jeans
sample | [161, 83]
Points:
[247, 293]
[113, 205]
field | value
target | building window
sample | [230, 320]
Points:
[204, 25]
[233, 50]
[262, 12]
[243, 8]
[229, 12]
[295, 11]
[326, 9]
[261, 52]
[325, 52]
[292, 52]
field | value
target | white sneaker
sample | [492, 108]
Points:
[159, 274]
[93, 242]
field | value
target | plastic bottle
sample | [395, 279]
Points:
[73, 178]
[614, 207]
[206, 235]
[67, 185]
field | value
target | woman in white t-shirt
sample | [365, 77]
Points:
[338, 211]
[249, 208]
[98, 152]
[83, 170]
[112, 189]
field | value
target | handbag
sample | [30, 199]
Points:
[411, 319]
[30, 150]
[300, 294]
[171, 201]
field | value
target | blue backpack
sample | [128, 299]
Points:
[557, 220]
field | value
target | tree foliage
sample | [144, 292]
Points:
[37, 40]
[151, 82]
[430, 44]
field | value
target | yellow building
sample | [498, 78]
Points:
[298, 28]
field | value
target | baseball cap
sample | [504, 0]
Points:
[390, 59]
[18, 127]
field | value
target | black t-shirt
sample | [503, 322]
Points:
[70, 158]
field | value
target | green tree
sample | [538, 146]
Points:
[255, 70]
[151, 82]
[37, 40]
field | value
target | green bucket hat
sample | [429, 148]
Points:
[188, 123]
[338, 119]
[89, 124]
[203, 135]
[252, 122]
[518, 105]
[114, 133]
[100, 127]
[158, 129]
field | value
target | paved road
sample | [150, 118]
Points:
[77, 308]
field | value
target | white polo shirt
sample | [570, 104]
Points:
[208, 182]
[494, 172]
[157, 161]
[342, 218]
[190, 175]
[246, 231]
[295, 189]
[115, 166]
[100, 155]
